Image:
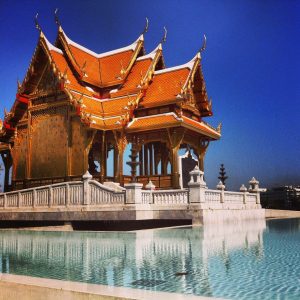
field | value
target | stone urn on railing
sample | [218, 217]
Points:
[254, 188]
[197, 186]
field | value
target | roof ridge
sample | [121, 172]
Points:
[188, 65]
[151, 54]
[51, 46]
[104, 54]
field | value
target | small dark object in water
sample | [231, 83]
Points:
[181, 273]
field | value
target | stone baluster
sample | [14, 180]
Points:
[34, 198]
[221, 187]
[87, 177]
[67, 194]
[197, 186]
[254, 188]
[50, 198]
[244, 190]
[19, 199]
[5, 201]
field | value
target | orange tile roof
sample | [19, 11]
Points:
[63, 66]
[91, 64]
[152, 122]
[139, 70]
[104, 114]
[165, 87]
[104, 108]
[202, 127]
[112, 65]
[101, 69]
[171, 120]
[105, 124]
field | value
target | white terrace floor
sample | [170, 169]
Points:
[16, 287]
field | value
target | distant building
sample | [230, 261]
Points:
[285, 197]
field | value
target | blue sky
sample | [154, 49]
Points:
[251, 67]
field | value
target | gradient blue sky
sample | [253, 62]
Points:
[251, 67]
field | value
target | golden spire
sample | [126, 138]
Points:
[37, 25]
[164, 38]
[56, 18]
[203, 44]
[146, 26]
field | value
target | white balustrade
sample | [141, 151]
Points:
[26, 199]
[101, 194]
[92, 193]
[62, 194]
[42, 196]
[251, 198]
[59, 196]
[212, 196]
[167, 197]
[146, 197]
[76, 194]
[236, 197]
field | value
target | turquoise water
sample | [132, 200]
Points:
[258, 260]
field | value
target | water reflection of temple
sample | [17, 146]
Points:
[144, 259]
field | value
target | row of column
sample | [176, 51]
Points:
[150, 155]
[153, 160]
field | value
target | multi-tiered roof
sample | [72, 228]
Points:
[123, 89]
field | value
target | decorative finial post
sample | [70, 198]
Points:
[254, 188]
[221, 187]
[244, 190]
[150, 186]
[197, 186]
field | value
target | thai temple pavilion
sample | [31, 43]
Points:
[75, 106]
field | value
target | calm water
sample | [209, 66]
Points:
[245, 261]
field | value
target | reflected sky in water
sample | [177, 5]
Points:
[253, 260]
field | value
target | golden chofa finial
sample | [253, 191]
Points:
[164, 38]
[56, 18]
[146, 26]
[203, 44]
[19, 85]
[37, 25]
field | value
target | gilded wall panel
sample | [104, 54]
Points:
[78, 146]
[49, 140]
[19, 154]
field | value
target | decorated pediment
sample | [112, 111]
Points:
[48, 82]
[40, 78]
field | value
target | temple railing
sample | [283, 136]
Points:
[165, 197]
[73, 193]
[212, 196]
[91, 193]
